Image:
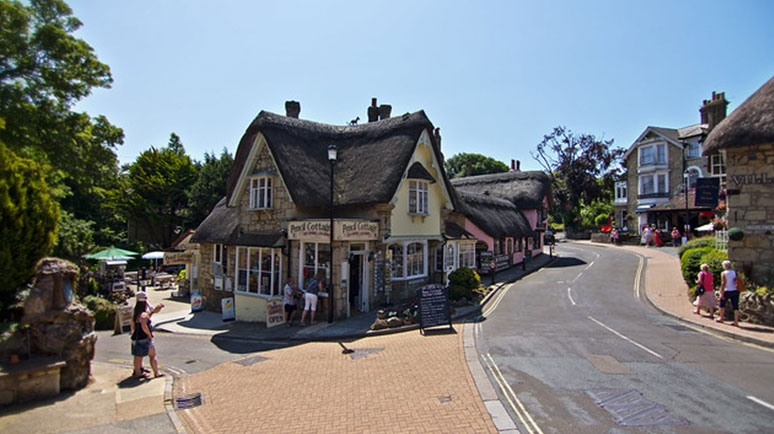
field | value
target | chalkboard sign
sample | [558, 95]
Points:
[433, 306]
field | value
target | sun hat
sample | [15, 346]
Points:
[141, 296]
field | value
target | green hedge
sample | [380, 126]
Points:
[696, 242]
[462, 282]
[690, 263]
[715, 260]
[104, 311]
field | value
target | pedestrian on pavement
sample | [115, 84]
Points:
[648, 236]
[675, 237]
[142, 336]
[657, 238]
[706, 280]
[289, 299]
[310, 297]
[728, 293]
[614, 236]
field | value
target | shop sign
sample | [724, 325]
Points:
[196, 301]
[344, 230]
[275, 314]
[503, 261]
[227, 308]
[433, 306]
[752, 178]
[759, 227]
[175, 258]
[707, 190]
[123, 319]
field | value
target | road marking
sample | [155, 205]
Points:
[477, 330]
[627, 339]
[761, 402]
[497, 301]
[119, 361]
[637, 279]
[509, 393]
[569, 294]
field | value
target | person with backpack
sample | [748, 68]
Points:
[314, 287]
[729, 291]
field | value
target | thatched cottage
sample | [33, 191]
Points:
[746, 137]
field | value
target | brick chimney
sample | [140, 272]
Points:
[384, 111]
[292, 109]
[713, 111]
[373, 111]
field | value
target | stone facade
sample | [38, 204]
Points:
[750, 201]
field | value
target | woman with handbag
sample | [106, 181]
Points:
[729, 292]
[705, 292]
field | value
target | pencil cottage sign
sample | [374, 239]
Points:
[344, 230]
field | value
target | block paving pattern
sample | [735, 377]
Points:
[416, 384]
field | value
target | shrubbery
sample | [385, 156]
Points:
[715, 260]
[691, 261]
[104, 311]
[462, 282]
[696, 242]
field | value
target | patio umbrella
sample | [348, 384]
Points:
[155, 255]
[112, 254]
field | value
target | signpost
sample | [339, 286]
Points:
[433, 307]
[492, 269]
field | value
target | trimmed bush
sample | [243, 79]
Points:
[462, 282]
[696, 242]
[735, 234]
[28, 218]
[715, 260]
[104, 311]
[457, 292]
[690, 263]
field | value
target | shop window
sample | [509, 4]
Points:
[415, 260]
[467, 255]
[418, 197]
[396, 260]
[261, 192]
[258, 270]
[408, 259]
[439, 258]
[316, 260]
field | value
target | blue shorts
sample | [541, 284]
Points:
[142, 347]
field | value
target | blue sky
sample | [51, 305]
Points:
[494, 76]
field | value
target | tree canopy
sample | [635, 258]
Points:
[582, 170]
[465, 164]
[210, 186]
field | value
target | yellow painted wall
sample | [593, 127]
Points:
[249, 308]
[403, 223]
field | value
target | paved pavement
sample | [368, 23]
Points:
[397, 382]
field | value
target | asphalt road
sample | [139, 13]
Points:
[576, 347]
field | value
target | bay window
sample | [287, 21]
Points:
[408, 259]
[467, 255]
[258, 270]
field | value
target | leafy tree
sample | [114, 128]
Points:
[210, 186]
[76, 238]
[582, 169]
[465, 164]
[44, 71]
[28, 218]
[157, 185]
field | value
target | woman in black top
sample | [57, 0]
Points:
[142, 336]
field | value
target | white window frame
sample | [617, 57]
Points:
[406, 262]
[418, 197]
[654, 149]
[316, 267]
[219, 253]
[467, 254]
[654, 177]
[621, 191]
[274, 255]
[261, 196]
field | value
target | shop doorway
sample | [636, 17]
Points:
[358, 282]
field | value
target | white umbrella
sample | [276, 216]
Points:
[155, 255]
[706, 228]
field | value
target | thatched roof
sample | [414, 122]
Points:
[222, 227]
[371, 158]
[497, 217]
[526, 190]
[454, 231]
[752, 123]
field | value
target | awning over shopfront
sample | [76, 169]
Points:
[645, 208]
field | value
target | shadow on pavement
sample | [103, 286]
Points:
[443, 331]
[565, 262]
[240, 345]
[131, 381]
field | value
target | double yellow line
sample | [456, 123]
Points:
[526, 419]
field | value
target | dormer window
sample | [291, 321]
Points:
[261, 192]
[418, 197]
[653, 154]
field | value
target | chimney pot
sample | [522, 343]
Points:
[513, 165]
[384, 111]
[373, 102]
[518, 165]
[292, 109]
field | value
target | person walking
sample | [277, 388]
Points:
[614, 236]
[675, 237]
[310, 297]
[706, 280]
[142, 336]
[289, 293]
[648, 235]
[728, 293]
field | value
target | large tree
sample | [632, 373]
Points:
[582, 169]
[157, 184]
[472, 164]
[44, 72]
[209, 188]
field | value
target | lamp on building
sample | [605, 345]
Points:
[332, 155]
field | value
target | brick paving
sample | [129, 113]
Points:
[416, 384]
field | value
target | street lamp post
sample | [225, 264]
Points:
[332, 154]
[687, 224]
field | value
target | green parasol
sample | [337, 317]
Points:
[111, 254]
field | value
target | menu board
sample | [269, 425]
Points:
[433, 306]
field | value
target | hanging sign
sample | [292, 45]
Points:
[707, 190]
[176, 258]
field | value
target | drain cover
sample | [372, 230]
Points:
[630, 408]
[249, 361]
[444, 398]
[364, 352]
[189, 401]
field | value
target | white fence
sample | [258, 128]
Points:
[721, 240]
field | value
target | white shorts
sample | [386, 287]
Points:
[310, 301]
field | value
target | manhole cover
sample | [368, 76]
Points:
[444, 398]
[189, 401]
[249, 361]
[364, 352]
[630, 408]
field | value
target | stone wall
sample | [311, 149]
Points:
[750, 201]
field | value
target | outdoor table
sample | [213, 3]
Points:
[164, 280]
